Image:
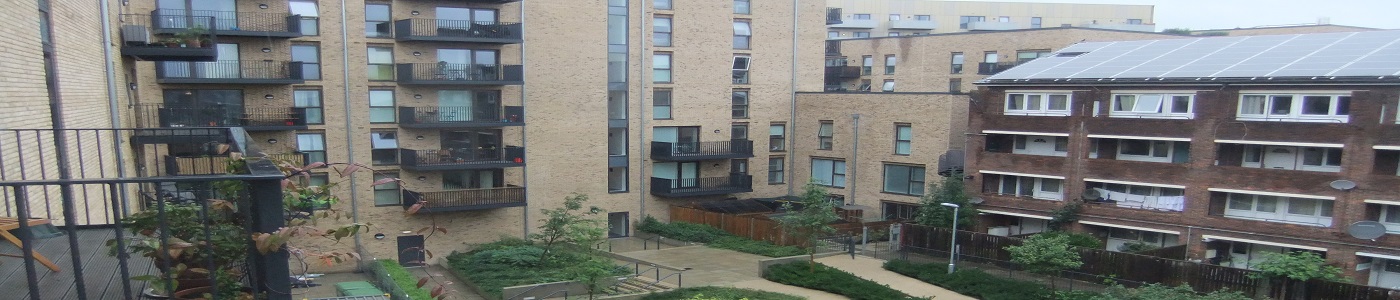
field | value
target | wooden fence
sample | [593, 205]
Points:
[1135, 269]
[757, 226]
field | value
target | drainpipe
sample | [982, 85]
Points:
[855, 154]
[524, 171]
[792, 106]
[349, 147]
[642, 145]
[112, 101]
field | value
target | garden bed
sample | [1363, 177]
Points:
[828, 279]
[719, 293]
[513, 262]
[715, 238]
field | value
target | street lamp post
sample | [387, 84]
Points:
[953, 242]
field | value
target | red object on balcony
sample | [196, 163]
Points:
[519, 160]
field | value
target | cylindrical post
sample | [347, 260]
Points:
[953, 243]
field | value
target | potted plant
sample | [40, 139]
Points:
[171, 42]
[182, 249]
[193, 36]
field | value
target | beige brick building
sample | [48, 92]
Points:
[881, 18]
[1286, 29]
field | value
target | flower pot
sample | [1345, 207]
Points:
[172, 45]
[198, 293]
[196, 43]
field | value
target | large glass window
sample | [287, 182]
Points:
[1306, 211]
[309, 16]
[381, 63]
[740, 104]
[829, 172]
[775, 170]
[661, 68]
[739, 131]
[1167, 106]
[310, 57]
[902, 179]
[313, 145]
[386, 194]
[903, 139]
[310, 100]
[964, 20]
[661, 104]
[1295, 108]
[742, 34]
[661, 31]
[377, 21]
[1034, 187]
[381, 106]
[1045, 104]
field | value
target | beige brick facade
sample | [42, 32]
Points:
[885, 17]
[1273, 30]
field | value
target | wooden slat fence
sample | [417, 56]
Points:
[757, 226]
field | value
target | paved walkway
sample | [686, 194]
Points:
[765, 285]
[870, 268]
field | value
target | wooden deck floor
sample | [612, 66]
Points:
[101, 272]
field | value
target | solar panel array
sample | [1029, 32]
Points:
[1346, 54]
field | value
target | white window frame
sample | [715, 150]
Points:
[1163, 109]
[1038, 185]
[837, 176]
[1148, 193]
[1020, 145]
[1037, 104]
[741, 66]
[1299, 160]
[1390, 227]
[1154, 152]
[1320, 217]
[1295, 110]
[888, 86]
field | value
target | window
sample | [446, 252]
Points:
[889, 85]
[894, 34]
[894, 17]
[742, 34]
[377, 22]
[385, 147]
[775, 170]
[1035, 22]
[1026, 186]
[833, 34]
[824, 135]
[1140, 196]
[310, 57]
[1135, 21]
[739, 166]
[864, 85]
[617, 180]
[741, 104]
[867, 64]
[1305, 211]
[381, 106]
[1146, 150]
[310, 100]
[662, 4]
[903, 138]
[661, 31]
[1162, 106]
[902, 179]
[1295, 108]
[309, 15]
[1317, 159]
[861, 17]
[860, 34]
[1004, 19]
[316, 179]
[741, 69]
[739, 131]
[386, 194]
[964, 20]
[957, 63]
[829, 172]
[661, 104]
[1390, 214]
[661, 68]
[741, 7]
[954, 85]
[1322, 158]
[1037, 104]
[923, 18]
[898, 211]
[381, 63]
[889, 64]
[1040, 145]
[777, 137]
[1023, 56]
[313, 145]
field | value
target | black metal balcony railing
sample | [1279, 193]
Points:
[460, 74]
[250, 118]
[227, 23]
[842, 72]
[710, 186]
[440, 30]
[697, 151]
[231, 72]
[461, 159]
[465, 200]
[141, 42]
[833, 48]
[460, 117]
[218, 165]
[833, 15]
[994, 68]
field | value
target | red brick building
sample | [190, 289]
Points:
[1231, 146]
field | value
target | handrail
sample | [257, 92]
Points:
[678, 274]
[658, 242]
[527, 291]
[609, 241]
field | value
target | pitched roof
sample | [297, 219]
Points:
[1345, 56]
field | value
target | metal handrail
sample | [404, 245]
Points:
[527, 291]
[678, 274]
[609, 241]
[658, 242]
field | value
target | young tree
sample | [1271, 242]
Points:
[1298, 265]
[949, 190]
[570, 224]
[1045, 254]
[592, 273]
[811, 221]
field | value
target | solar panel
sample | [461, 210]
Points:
[1345, 54]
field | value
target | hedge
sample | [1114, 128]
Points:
[719, 293]
[513, 262]
[404, 280]
[970, 282]
[831, 280]
[715, 238]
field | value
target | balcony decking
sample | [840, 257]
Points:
[102, 278]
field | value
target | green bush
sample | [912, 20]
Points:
[512, 262]
[971, 282]
[831, 280]
[719, 293]
[405, 280]
[716, 238]
[1076, 239]
[756, 247]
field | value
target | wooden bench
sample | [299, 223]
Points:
[7, 224]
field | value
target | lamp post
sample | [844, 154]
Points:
[953, 242]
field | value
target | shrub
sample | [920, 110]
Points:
[1163, 292]
[404, 280]
[756, 247]
[971, 282]
[686, 232]
[1075, 239]
[719, 293]
[509, 262]
[832, 280]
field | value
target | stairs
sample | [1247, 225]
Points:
[637, 285]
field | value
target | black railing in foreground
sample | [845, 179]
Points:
[466, 199]
[734, 183]
[462, 156]
[457, 29]
[465, 73]
[227, 22]
[218, 165]
[230, 69]
[718, 149]
[507, 115]
[161, 116]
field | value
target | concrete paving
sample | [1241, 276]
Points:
[765, 285]
[709, 266]
[870, 268]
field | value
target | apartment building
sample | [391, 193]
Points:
[948, 62]
[487, 110]
[879, 18]
[1283, 29]
[1232, 146]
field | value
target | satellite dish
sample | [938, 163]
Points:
[1090, 195]
[1343, 184]
[976, 201]
[1366, 230]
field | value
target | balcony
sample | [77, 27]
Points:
[856, 24]
[490, 1]
[461, 159]
[139, 42]
[1120, 26]
[249, 118]
[914, 24]
[699, 151]
[841, 72]
[227, 23]
[994, 68]
[833, 48]
[439, 30]
[833, 15]
[992, 25]
[218, 165]
[465, 200]
[432, 117]
[460, 74]
[230, 72]
[693, 187]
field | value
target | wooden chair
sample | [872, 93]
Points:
[7, 224]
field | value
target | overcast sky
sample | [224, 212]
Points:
[1218, 14]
